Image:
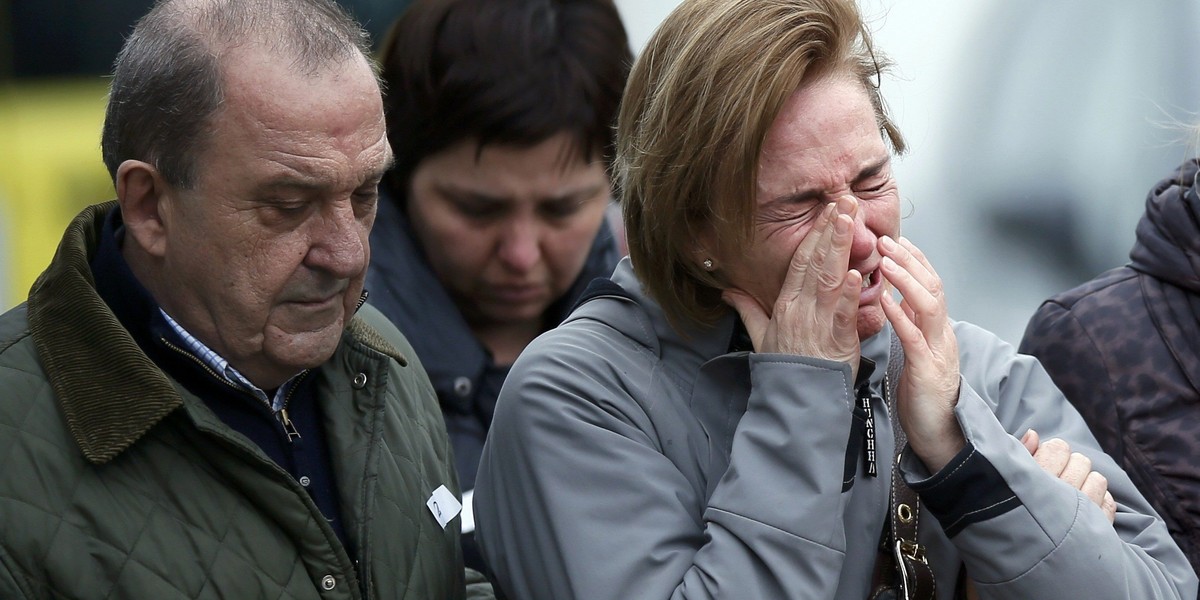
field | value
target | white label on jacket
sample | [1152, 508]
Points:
[443, 505]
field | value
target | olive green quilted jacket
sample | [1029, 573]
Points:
[115, 482]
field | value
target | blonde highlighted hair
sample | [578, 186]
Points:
[699, 102]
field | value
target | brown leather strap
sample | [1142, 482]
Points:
[914, 579]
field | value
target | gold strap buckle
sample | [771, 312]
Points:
[910, 550]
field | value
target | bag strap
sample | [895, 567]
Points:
[915, 580]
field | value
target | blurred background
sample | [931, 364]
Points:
[1035, 129]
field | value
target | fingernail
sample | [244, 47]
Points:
[845, 204]
[888, 242]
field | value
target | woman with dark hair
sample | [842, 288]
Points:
[492, 221]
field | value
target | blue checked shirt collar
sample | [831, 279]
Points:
[221, 366]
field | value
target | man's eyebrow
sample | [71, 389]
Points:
[289, 181]
[867, 172]
[292, 179]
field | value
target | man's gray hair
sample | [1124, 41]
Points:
[167, 79]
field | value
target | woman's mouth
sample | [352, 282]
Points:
[871, 286]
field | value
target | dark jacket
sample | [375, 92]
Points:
[1125, 349]
[120, 483]
[405, 290]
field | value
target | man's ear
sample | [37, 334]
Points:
[143, 195]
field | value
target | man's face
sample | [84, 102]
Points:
[264, 257]
[824, 144]
[508, 229]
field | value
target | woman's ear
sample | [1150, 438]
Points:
[142, 194]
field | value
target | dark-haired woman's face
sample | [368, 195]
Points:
[508, 229]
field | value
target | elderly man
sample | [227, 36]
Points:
[196, 403]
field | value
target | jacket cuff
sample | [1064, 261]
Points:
[967, 490]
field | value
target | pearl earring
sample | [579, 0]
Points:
[708, 264]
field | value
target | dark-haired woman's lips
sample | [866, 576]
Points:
[518, 294]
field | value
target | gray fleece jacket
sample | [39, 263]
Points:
[627, 460]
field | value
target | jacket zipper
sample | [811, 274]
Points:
[288, 427]
[203, 365]
[281, 415]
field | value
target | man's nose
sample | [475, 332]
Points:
[339, 242]
[519, 246]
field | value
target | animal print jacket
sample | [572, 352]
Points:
[1125, 349]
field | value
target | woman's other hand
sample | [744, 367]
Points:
[1055, 457]
[930, 382]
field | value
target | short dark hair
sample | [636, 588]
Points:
[513, 72]
[167, 80]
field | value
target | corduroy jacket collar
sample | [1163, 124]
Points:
[109, 390]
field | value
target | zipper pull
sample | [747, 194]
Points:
[288, 427]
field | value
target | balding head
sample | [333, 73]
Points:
[168, 79]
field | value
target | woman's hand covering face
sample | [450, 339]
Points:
[816, 313]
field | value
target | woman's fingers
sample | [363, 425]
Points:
[1056, 458]
[929, 385]
[927, 274]
[902, 323]
[1095, 486]
[1109, 506]
[845, 312]
[803, 258]
[1077, 470]
[833, 256]
[920, 286]
[1052, 456]
[1031, 441]
[816, 311]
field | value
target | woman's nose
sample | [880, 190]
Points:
[863, 245]
[520, 246]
